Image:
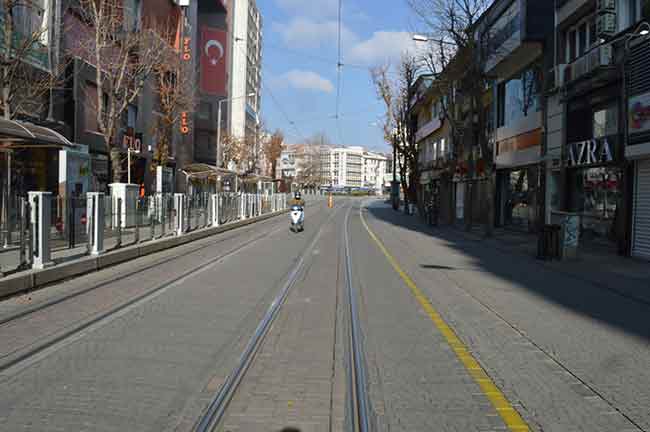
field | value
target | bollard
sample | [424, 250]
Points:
[23, 225]
[118, 218]
[41, 211]
[138, 216]
[214, 206]
[179, 213]
[96, 222]
[30, 235]
[163, 214]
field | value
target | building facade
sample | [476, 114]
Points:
[245, 70]
[374, 171]
[598, 146]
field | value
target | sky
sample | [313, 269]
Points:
[299, 76]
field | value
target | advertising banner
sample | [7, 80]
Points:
[639, 110]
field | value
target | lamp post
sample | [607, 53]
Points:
[218, 150]
[427, 38]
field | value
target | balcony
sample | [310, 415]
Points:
[427, 129]
[598, 58]
[566, 9]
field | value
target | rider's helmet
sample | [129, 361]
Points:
[297, 195]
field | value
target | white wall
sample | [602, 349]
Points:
[237, 106]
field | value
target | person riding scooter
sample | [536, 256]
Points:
[297, 206]
[297, 200]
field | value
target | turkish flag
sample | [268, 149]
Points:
[213, 61]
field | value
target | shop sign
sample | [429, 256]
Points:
[187, 49]
[185, 123]
[132, 140]
[639, 109]
[590, 152]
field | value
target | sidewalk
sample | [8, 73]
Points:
[626, 276]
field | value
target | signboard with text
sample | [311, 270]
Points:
[596, 151]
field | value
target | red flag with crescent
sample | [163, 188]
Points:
[213, 61]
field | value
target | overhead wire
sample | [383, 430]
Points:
[274, 99]
[338, 74]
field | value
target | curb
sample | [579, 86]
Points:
[32, 279]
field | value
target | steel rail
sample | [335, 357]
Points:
[219, 403]
[358, 400]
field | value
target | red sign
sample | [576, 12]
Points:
[187, 49]
[213, 61]
[185, 124]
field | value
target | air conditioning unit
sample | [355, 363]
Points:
[606, 6]
[606, 25]
[601, 56]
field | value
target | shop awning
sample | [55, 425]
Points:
[203, 171]
[16, 134]
[254, 178]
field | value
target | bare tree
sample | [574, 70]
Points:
[27, 76]
[176, 96]
[273, 149]
[457, 61]
[232, 150]
[124, 57]
[398, 128]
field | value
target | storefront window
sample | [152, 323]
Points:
[520, 204]
[519, 97]
[596, 194]
[605, 122]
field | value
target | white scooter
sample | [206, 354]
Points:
[297, 215]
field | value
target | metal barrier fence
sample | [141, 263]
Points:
[43, 230]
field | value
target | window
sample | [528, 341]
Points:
[205, 111]
[28, 17]
[605, 121]
[580, 38]
[519, 97]
[132, 116]
[90, 107]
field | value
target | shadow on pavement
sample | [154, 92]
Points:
[607, 294]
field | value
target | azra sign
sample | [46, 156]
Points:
[590, 152]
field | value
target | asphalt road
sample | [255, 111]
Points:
[455, 337]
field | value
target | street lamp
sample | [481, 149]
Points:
[218, 150]
[426, 38]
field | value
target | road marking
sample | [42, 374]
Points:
[508, 414]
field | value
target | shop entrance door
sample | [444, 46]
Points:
[641, 238]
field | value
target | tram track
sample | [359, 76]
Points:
[217, 410]
[358, 400]
[218, 405]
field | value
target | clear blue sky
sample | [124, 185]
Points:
[299, 65]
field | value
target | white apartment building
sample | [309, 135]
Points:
[339, 166]
[245, 69]
[374, 170]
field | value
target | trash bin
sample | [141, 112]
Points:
[548, 245]
[569, 233]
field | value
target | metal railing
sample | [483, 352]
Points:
[72, 230]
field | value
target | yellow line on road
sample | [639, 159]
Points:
[510, 416]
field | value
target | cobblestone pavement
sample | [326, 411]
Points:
[566, 354]
[572, 355]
